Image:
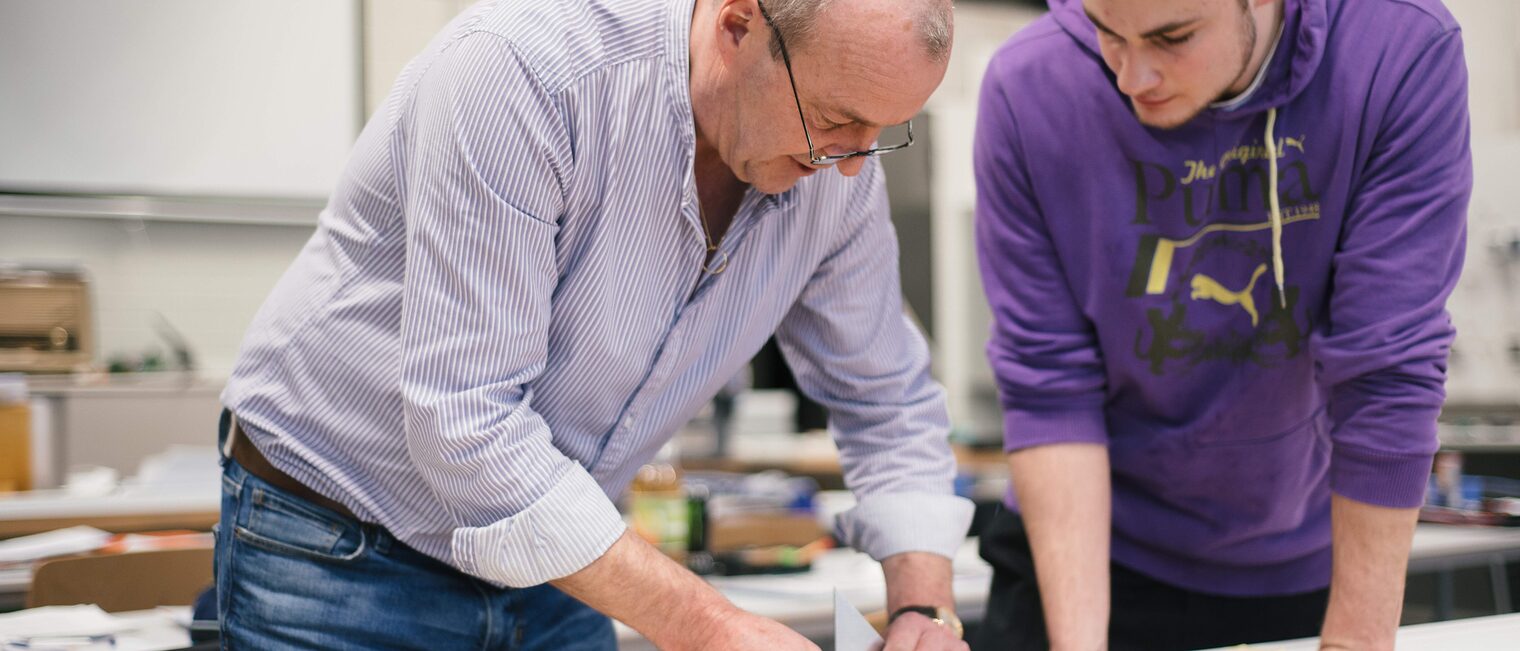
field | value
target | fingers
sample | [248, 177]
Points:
[918, 633]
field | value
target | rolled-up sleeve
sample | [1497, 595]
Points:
[854, 350]
[487, 155]
[1043, 350]
[1384, 353]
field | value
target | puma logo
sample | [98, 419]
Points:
[1205, 287]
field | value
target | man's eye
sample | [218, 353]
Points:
[1176, 40]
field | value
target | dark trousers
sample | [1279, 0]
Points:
[1145, 614]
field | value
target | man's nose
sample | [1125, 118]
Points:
[1137, 76]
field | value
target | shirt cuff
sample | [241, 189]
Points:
[1380, 479]
[564, 531]
[1024, 428]
[892, 523]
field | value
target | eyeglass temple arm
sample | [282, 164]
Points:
[787, 59]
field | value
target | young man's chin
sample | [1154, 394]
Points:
[1167, 115]
[1163, 119]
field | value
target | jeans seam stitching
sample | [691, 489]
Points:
[248, 536]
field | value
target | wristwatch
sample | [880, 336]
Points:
[938, 614]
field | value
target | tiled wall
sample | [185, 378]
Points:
[206, 279]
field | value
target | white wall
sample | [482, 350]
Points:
[245, 98]
[961, 315]
[395, 31]
[1491, 37]
[208, 280]
[1486, 303]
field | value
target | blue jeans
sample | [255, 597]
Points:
[293, 575]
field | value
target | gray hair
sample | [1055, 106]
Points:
[797, 20]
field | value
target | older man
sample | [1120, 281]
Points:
[568, 226]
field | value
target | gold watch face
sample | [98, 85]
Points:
[946, 617]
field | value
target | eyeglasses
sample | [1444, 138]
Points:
[813, 153]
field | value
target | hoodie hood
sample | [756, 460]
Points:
[1292, 65]
[1299, 51]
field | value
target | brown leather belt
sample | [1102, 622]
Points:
[248, 456]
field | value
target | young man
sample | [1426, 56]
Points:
[527, 281]
[1217, 237]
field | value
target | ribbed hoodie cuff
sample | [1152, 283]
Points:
[1378, 478]
[1023, 428]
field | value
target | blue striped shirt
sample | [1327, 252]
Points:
[503, 311]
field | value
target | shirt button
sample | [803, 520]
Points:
[627, 422]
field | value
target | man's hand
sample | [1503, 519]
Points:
[919, 579]
[742, 631]
[637, 585]
[915, 632]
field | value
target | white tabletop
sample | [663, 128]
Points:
[1493, 633]
[1449, 540]
[158, 630]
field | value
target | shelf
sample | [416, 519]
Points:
[1480, 437]
[212, 210]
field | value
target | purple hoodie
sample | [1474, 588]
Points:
[1130, 273]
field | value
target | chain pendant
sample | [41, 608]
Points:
[715, 265]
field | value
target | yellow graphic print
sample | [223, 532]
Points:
[1203, 223]
[1206, 288]
[1165, 249]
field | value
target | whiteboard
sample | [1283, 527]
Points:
[236, 98]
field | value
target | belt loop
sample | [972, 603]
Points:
[381, 537]
[232, 428]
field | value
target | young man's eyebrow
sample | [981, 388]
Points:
[1098, 23]
[1169, 27]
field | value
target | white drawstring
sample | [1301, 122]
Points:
[1277, 255]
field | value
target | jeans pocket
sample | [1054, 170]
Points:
[287, 525]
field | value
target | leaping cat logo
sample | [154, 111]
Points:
[1205, 287]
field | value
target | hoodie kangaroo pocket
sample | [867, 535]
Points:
[1238, 433]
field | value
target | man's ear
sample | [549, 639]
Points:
[737, 20]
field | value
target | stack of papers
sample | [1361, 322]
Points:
[52, 624]
[19, 555]
[81, 628]
[62, 542]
